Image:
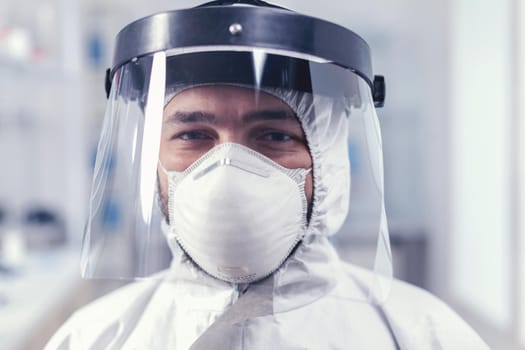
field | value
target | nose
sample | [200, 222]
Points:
[232, 135]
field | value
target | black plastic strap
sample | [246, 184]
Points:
[107, 82]
[379, 92]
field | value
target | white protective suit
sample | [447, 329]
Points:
[303, 305]
[192, 310]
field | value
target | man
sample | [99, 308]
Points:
[238, 135]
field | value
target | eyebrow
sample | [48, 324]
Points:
[191, 117]
[269, 115]
[180, 117]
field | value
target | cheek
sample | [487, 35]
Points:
[177, 159]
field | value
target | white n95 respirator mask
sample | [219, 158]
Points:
[237, 213]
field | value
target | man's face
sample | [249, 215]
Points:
[200, 118]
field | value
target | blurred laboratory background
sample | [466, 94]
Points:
[453, 140]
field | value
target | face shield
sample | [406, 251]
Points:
[238, 133]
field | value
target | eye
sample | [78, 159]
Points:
[276, 136]
[192, 135]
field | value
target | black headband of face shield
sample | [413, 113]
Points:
[242, 68]
[230, 67]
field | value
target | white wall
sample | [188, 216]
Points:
[481, 208]
[519, 41]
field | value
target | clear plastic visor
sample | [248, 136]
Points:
[167, 112]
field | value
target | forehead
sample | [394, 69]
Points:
[224, 99]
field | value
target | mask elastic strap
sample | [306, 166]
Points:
[166, 172]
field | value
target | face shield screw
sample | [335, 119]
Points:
[235, 29]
